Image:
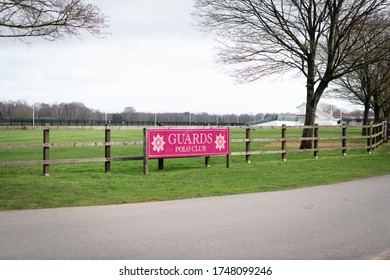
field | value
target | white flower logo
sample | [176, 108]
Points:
[158, 143]
[220, 142]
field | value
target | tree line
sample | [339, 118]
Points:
[75, 111]
[20, 110]
[64, 111]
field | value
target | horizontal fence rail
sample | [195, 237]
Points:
[376, 135]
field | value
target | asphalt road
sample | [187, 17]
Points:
[342, 221]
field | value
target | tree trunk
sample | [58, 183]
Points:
[309, 121]
[312, 99]
[386, 111]
[365, 117]
[377, 108]
[377, 111]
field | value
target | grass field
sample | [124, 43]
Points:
[86, 184]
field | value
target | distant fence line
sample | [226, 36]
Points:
[50, 122]
[376, 135]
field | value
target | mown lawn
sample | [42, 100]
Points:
[86, 184]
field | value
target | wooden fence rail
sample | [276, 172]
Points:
[376, 136]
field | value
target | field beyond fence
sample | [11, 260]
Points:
[246, 142]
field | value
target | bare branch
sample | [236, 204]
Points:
[50, 19]
[311, 36]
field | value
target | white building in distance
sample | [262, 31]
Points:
[322, 118]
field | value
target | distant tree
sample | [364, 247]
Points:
[270, 117]
[246, 118]
[117, 118]
[49, 19]
[129, 113]
[317, 38]
[42, 110]
[229, 118]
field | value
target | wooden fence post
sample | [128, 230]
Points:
[383, 134]
[229, 156]
[107, 150]
[379, 132]
[46, 138]
[316, 141]
[373, 133]
[207, 161]
[344, 140]
[248, 145]
[369, 140]
[160, 164]
[284, 133]
[146, 167]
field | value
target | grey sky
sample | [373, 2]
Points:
[154, 60]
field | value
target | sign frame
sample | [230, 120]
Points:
[162, 143]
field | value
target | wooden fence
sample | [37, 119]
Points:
[377, 134]
[375, 137]
[46, 145]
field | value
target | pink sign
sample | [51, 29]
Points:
[171, 143]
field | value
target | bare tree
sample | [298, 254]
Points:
[49, 19]
[316, 38]
[369, 85]
[129, 113]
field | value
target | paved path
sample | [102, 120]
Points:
[342, 221]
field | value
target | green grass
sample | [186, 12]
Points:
[87, 184]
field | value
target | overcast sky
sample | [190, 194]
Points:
[154, 60]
